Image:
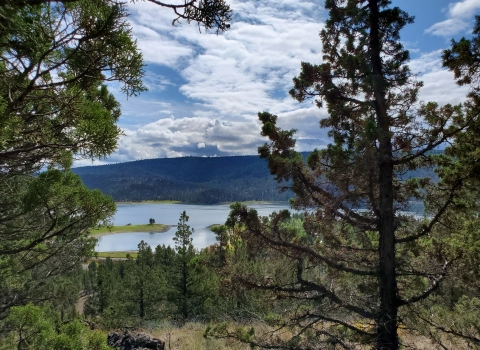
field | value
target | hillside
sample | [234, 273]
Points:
[189, 179]
[193, 179]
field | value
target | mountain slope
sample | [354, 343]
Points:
[194, 179]
[189, 179]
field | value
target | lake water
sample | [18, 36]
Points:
[201, 216]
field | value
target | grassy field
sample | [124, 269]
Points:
[129, 228]
[152, 202]
[190, 337]
[116, 255]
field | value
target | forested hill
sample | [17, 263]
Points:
[189, 179]
[192, 179]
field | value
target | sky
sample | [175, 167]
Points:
[205, 90]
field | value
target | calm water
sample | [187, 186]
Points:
[201, 216]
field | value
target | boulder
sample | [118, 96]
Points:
[124, 340]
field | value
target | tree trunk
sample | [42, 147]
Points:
[142, 304]
[386, 322]
[185, 290]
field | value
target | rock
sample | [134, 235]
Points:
[129, 341]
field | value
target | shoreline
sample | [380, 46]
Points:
[220, 203]
[155, 228]
[254, 202]
[151, 202]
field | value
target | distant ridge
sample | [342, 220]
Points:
[196, 180]
[188, 179]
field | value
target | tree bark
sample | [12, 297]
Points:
[386, 321]
[142, 304]
[185, 291]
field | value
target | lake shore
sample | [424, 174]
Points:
[152, 228]
[200, 218]
[256, 203]
[152, 202]
[121, 255]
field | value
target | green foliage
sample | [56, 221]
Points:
[176, 283]
[359, 259]
[55, 98]
[54, 108]
[55, 57]
[463, 57]
[45, 233]
[33, 327]
[144, 285]
[186, 288]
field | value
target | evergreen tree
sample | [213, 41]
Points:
[55, 57]
[207, 13]
[53, 108]
[359, 273]
[143, 285]
[34, 327]
[183, 275]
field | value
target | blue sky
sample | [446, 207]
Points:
[205, 90]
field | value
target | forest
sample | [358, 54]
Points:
[354, 270]
[189, 180]
[196, 180]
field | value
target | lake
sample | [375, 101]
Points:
[201, 216]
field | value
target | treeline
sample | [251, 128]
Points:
[189, 179]
[239, 280]
[195, 179]
[176, 284]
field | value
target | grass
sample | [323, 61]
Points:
[116, 255]
[190, 337]
[129, 228]
[257, 202]
[152, 202]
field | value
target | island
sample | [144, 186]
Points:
[110, 230]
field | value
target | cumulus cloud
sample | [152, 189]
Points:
[460, 15]
[177, 137]
[225, 80]
[439, 83]
[464, 8]
[138, 111]
[246, 69]
[229, 77]
[156, 82]
[449, 27]
[159, 49]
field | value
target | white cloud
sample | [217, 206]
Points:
[464, 8]
[440, 87]
[156, 82]
[139, 110]
[177, 137]
[449, 27]
[427, 62]
[230, 77]
[439, 83]
[460, 19]
[248, 68]
[157, 47]
[90, 162]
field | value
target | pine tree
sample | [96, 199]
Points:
[144, 284]
[185, 253]
[366, 264]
